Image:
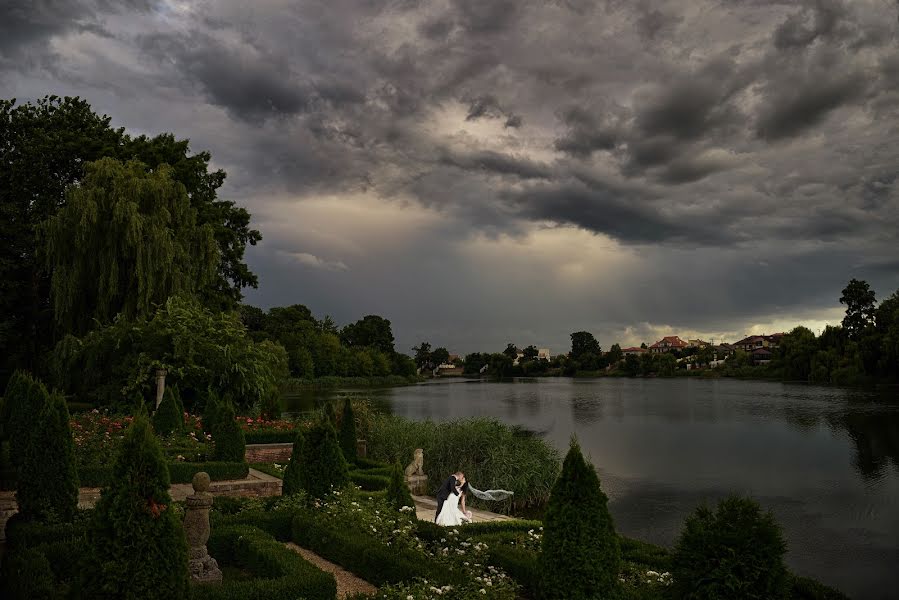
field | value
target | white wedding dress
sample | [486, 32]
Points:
[450, 515]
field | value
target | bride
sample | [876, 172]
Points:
[450, 515]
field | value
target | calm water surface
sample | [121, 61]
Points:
[824, 460]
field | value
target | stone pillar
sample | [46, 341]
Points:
[361, 448]
[203, 568]
[160, 386]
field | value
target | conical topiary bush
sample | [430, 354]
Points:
[580, 554]
[47, 479]
[293, 475]
[168, 418]
[398, 494]
[230, 442]
[137, 544]
[323, 467]
[348, 432]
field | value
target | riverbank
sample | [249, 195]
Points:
[294, 385]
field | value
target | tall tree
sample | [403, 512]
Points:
[583, 342]
[615, 354]
[422, 355]
[372, 331]
[511, 351]
[439, 356]
[531, 352]
[125, 241]
[859, 300]
[44, 148]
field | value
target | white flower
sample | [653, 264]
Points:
[410, 597]
[483, 591]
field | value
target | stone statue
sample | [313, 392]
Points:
[416, 467]
[203, 568]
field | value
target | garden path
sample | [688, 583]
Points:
[347, 583]
[426, 507]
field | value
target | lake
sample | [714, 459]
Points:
[824, 460]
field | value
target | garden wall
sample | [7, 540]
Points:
[269, 453]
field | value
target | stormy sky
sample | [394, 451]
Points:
[483, 172]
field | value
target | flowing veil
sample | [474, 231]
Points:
[492, 495]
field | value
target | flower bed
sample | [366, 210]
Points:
[270, 431]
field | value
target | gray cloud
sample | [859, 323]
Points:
[757, 140]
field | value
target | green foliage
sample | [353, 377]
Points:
[803, 588]
[797, 350]
[201, 350]
[365, 556]
[47, 480]
[423, 355]
[348, 431]
[328, 413]
[323, 466]
[23, 400]
[26, 575]
[859, 300]
[44, 147]
[271, 408]
[370, 482]
[492, 454]
[138, 547]
[370, 331]
[580, 556]
[398, 494]
[169, 417]
[293, 475]
[278, 573]
[126, 240]
[736, 552]
[227, 435]
[583, 343]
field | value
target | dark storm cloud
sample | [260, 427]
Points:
[26, 25]
[755, 136]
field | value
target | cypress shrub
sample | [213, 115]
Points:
[168, 418]
[323, 466]
[398, 494]
[348, 432]
[270, 407]
[138, 546]
[328, 413]
[26, 575]
[735, 552]
[293, 474]
[580, 554]
[230, 445]
[47, 479]
[210, 414]
[22, 402]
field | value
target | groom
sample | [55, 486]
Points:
[449, 487]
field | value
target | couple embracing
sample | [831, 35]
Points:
[449, 497]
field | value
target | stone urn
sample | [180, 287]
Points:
[203, 568]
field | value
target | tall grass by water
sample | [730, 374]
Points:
[491, 454]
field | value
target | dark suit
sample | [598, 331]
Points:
[448, 487]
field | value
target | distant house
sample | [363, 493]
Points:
[722, 351]
[634, 351]
[761, 356]
[454, 358]
[543, 354]
[753, 342]
[697, 343]
[667, 344]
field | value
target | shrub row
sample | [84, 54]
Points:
[179, 472]
[368, 481]
[21, 533]
[277, 523]
[279, 573]
[366, 556]
[270, 437]
[519, 564]
[427, 530]
[366, 463]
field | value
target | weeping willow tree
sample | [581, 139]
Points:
[126, 240]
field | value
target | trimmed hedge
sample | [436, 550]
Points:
[369, 482]
[363, 463]
[26, 534]
[279, 573]
[179, 472]
[26, 575]
[277, 523]
[270, 437]
[430, 531]
[519, 564]
[365, 556]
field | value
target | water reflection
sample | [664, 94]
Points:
[825, 460]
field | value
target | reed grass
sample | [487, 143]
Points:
[492, 455]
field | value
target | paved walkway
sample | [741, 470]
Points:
[426, 509]
[347, 583]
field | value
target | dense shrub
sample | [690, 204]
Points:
[138, 547]
[580, 556]
[317, 464]
[270, 405]
[279, 573]
[803, 588]
[365, 556]
[519, 563]
[26, 575]
[348, 432]
[47, 486]
[493, 455]
[227, 435]
[277, 523]
[735, 552]
[293, 475]
[398, 494]
[22, 402]
[169, 417]
[368, 464]
[368, 481]
[328, 413]
[21, 533]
